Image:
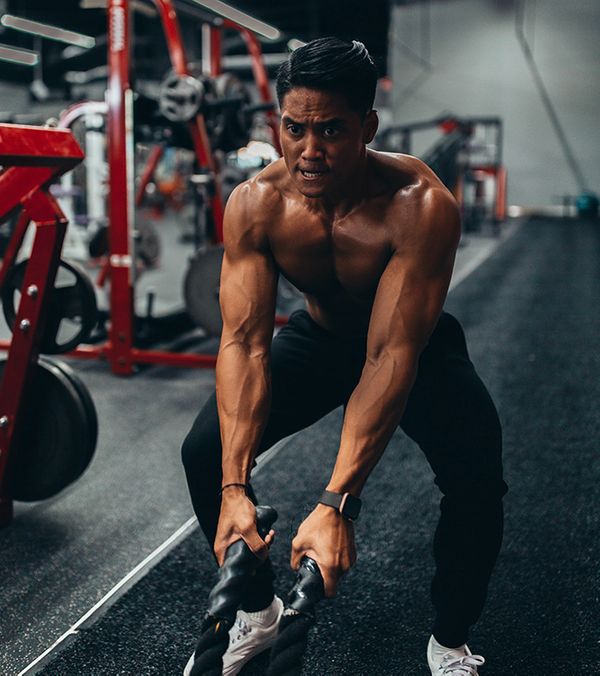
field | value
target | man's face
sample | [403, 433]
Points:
[323, 140]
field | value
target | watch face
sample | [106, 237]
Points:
[350, 507]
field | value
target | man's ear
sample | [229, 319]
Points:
[370, 126]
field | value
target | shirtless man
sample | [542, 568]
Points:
[370, 240]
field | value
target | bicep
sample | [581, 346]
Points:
[413, 288]
[247, 297]
[248, 276]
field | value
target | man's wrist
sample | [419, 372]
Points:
[234, 486]
[346, 504]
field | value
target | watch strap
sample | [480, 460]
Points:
[346, 504]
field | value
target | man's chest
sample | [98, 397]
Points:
[321, 257]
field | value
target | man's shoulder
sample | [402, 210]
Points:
[427, 207]
[415, 183]
[407, 173]
[259, 197]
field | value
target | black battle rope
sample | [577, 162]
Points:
[225, 597]
[298, 618]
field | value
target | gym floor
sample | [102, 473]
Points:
[525, 300]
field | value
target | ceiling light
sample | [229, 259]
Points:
[241, 18]
[294, 43]
[23, 56]
[47, 31]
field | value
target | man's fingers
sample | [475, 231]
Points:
[258, 546]
[270, 537]
[329, 583]
[330, 577]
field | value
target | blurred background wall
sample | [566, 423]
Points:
[463, 56]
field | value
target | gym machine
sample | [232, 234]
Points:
[48, 422]
[200, 107]
[468, 153]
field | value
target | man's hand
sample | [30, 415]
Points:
[237, 520]
[328, 538]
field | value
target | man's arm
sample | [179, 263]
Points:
[247, 297]
[409, 299]
[408, 302]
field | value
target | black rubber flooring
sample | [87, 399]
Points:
[533, 326]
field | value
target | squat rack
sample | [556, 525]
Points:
[119, 349]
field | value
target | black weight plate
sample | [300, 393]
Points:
[147, 243]
[85, 397]
[236, 131]
[55, 444]
[201, 289]
[72, 311]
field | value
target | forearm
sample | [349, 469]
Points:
[372, 415]
[243, 400]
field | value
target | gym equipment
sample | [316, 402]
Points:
[234, 132]
[120, 349]
[225, 597]
[201, 292]
[45, 450]
[298, 617]
[57, 446]
[224, 102]
[181, 97]
[72, 312]
[470, 146]
[147, 243]
[201, 289]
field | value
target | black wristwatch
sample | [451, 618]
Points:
[347, 505]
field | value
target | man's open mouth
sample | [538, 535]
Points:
[312, 175]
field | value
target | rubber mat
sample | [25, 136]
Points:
[533, 327]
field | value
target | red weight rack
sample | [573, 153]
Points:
[31, 157]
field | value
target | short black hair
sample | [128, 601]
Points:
[334, 65]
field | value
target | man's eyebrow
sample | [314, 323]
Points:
[334, 122]
[288, 120]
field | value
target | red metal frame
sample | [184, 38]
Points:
[196, 126]
[32, 157]
[151, 164]
[119, 348]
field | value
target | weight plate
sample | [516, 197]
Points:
[147, 243]
[180, 97]
[87, 402]
[57, 438]
[236, 131]
[98, 244]
[201, 289]
[72, 312]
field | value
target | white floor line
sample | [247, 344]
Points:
[138, 572]
[125, 583]
[191, 524]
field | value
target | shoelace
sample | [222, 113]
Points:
[243, 629]
[466, 665]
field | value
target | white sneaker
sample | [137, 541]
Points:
[452, 661]
[247, 638]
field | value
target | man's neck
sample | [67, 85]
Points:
[340, 204]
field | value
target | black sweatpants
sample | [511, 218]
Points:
[449, 414]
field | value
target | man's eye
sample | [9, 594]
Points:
[294, 129]
[331, 131]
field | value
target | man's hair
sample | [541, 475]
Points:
[331, 64]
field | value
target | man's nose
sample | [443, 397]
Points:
[313, 150]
